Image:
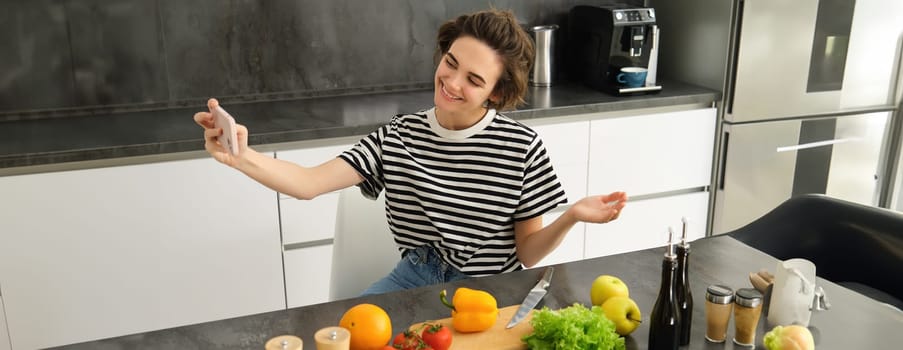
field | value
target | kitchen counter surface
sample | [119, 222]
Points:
[853, 322]
[35, 142]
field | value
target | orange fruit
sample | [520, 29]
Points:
[369, 325]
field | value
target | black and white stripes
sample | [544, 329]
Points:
[459, 191]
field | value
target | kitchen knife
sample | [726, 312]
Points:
[533, 298]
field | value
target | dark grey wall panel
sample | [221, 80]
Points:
[117, 52]
[104, 56]
[35, 65]
[247, 47]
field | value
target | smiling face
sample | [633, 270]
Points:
[464, 81]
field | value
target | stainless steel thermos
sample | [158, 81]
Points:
[544, 43]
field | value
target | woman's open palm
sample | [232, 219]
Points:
[600, 209]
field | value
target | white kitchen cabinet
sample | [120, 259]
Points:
[568, 147]
[649, 154]
[567, 144]
[308, 220]
[307, 273]
[308, 226]
[644, 224]
[571, 247]
[663, 158]
[4, 335]
[97, 253]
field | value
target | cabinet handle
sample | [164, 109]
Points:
[816, 144]
[725, 143]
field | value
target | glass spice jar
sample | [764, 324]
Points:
[747, 309]
[719, 301]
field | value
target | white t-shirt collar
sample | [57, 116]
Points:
[458, 134]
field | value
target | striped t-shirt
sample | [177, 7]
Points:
[459, 191]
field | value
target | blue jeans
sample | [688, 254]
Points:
[418, 267]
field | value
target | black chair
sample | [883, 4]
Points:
[857, 246]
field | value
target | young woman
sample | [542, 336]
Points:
[466, 187]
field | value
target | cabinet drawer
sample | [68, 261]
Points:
[308, 220]
[307, 273]
[568, 146]
[644, 224]
[652, 153]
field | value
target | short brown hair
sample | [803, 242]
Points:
[498, 29]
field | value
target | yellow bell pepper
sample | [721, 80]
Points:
[472, 310]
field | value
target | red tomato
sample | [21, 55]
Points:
[389, 347]
[408, 340]
[437, 336]
[399, 339]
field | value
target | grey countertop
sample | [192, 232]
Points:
[38, 142]
[853, 322]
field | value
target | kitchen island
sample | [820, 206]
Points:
[853, 322]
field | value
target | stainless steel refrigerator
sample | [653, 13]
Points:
[808, 91]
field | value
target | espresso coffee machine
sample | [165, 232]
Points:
[604, 39]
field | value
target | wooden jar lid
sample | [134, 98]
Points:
[285, 342]
[333, 338]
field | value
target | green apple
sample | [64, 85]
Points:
[607, 286]
[624, 312]
[793, 337]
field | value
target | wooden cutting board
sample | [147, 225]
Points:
[496, 337]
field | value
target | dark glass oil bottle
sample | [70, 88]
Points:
[664, 322]
[682, 287]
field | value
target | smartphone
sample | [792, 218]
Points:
[229, 138]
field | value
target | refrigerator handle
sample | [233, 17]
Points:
[734, 56]
[724, 144]
[815, 144]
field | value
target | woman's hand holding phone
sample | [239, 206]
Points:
[229, 137]
[224, 139]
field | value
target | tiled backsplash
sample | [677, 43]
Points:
[66, 56]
